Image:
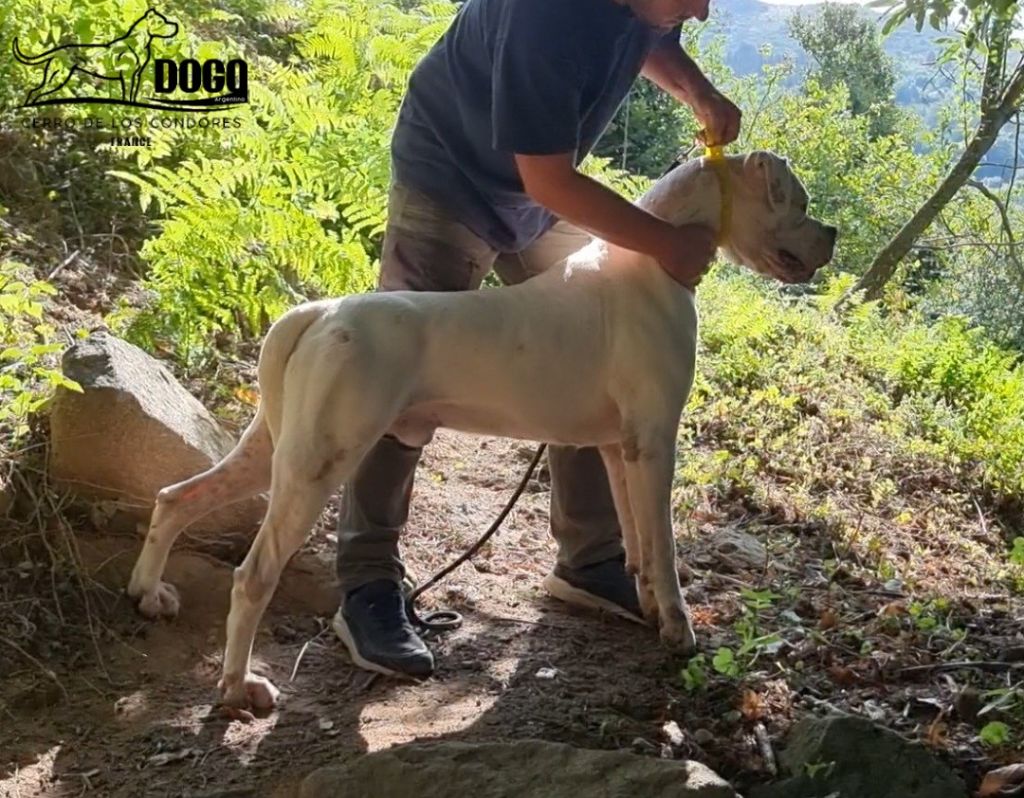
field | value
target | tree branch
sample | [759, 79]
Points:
[1005, 217]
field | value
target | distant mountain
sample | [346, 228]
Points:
[747, 26]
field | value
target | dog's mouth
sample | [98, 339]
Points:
[791, 268]
[790, 261]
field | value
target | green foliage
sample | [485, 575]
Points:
[848, 50]
[995, 734]
[695, 675]
[978, 14]
[651, 127]
[647, 133]
[27, 349]
[778, 369]
[735, 664]
[725, 663]
[291, 203]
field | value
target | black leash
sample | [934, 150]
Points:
[447, 620]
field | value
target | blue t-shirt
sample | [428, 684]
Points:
[534, 77]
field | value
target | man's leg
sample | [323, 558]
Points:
[591, 564]
[424, 250]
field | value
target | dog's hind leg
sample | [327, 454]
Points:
[243, 473]
[36, 91]
[301, 486]
[52, 79]
[649, 463]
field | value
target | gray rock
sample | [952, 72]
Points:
[518, 769]
[849, 757]
[736, 549]
[134, 430]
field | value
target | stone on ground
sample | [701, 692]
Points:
[134, 430]
[516, 769]
[845, 756]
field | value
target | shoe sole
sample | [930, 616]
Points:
[579, 597]
[341, 629]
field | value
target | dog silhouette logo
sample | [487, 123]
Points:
[125, 62]
[130, 55]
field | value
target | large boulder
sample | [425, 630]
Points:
[843, 755]
[133, 431]
[518, 769]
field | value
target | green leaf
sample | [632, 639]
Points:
[724, 662]
[994, 734]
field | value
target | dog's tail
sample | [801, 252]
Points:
[29, 60]
[277, 349]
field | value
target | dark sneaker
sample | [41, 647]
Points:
[372, 624]
[604, 586]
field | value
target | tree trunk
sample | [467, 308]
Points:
[995, 112]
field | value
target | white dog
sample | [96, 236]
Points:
[596, 352]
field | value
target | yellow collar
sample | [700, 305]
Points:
[715, 156]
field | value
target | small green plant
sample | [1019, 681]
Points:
[695, 675]
[725, 663]
[994, 734]
[812, 769]
[928, 616]
[736, 663]
[1017, 552]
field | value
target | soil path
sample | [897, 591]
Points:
[142, 721]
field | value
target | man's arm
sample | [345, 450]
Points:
[552, 181]
[670, 68]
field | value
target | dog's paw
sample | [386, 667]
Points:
[251, 692]
[160, 602]
[677, 633]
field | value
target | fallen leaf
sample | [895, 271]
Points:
[1003, 781]
[829, 619]
[937, 733]
[752, 705]
[892, 609]
[247, 395]
[844, 677]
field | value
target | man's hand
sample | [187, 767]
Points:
[718, 115]
[689, 251]
[675, 72]
[552, 181]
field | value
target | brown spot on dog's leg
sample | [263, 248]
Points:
[329, 463]
[343, 336]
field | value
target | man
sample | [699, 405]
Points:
[496, 118]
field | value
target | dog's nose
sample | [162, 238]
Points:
[832, 231]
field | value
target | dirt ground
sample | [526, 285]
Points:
[125, 707]
[143, 720]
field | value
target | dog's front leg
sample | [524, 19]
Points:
[613, 464]
[649, 458]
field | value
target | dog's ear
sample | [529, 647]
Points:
[770, 168]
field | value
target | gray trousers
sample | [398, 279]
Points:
[426, 249]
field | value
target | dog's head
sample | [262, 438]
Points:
[771, 232]
[158, 26]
